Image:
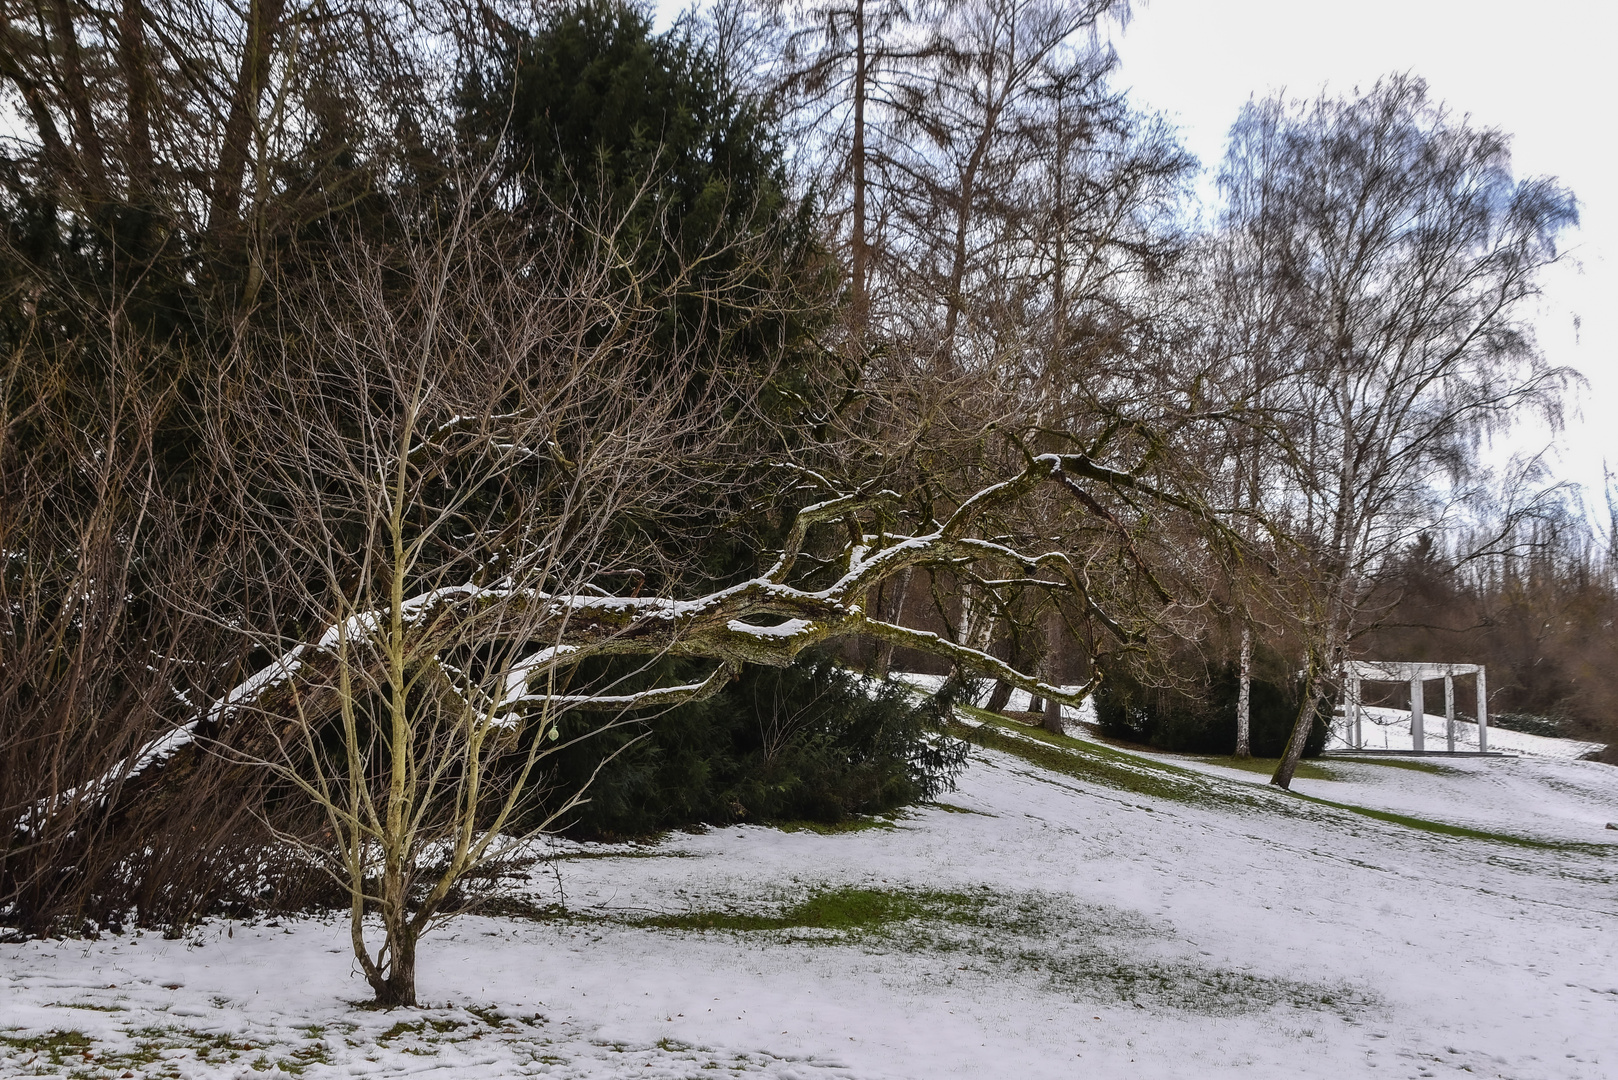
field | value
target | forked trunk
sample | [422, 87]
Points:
[395, 981]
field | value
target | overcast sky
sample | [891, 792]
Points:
[1543, 72]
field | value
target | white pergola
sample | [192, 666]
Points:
[1357, 671]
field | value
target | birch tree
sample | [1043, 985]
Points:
[1406, 258]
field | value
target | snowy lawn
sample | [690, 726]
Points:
[1069, 911]
[1389, 729]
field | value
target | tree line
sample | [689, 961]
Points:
[398, 398]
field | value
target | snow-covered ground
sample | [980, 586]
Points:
[1380, 728]
[1201, 924]
[1389, 729]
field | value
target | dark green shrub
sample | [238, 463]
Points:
[1552, 727]
[1201, 718]
[810, 742]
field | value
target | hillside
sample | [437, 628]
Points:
[1071, 910]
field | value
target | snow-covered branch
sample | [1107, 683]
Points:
[765, 620]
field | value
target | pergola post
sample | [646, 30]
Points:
[1356, 728]
[1449, 710]
[1483, 711]
[1418, 714]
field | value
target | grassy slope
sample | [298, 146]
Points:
[1110, 767]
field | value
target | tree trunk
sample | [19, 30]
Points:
[858, 302]
[896, 606]
[1314, 690]
[1017, 656]
[132, 57]
[1053, 671]
[1244, 741]
[1053, 717]
[977, 627]
[963, 220]
[82, 117]
[395, 984]
[263, 22]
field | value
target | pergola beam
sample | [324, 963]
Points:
[1399, 671]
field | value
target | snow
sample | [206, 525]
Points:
[789, 628]
[1158, 937]
[1389, 729]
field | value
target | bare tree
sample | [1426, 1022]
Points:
[225, 126]
[446, 472]
[1403, 257]
[450, 445]
[100, 588]
[1249, 332]
[854, 72]
[1077, 301]
[1003, 60]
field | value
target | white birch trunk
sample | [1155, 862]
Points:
[1244, 740]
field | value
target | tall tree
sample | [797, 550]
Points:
[854, 75]
[1406, 256]
[1004, 57]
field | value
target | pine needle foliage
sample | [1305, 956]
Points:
[809, 742]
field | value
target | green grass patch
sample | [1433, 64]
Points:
[848, 825]
[55, 1045]
[841, 910]
[420, 1027]
[845, 909]
[1098, 751]
[1086, 951]
[1307, 770]
[1431, 767]
[1095, 763]
[1082, 951]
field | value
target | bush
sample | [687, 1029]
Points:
[1201, 719]
[810, 742]
[1552, 727]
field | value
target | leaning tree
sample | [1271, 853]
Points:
[471, 478]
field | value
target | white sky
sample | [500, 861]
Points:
[1543, 72]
